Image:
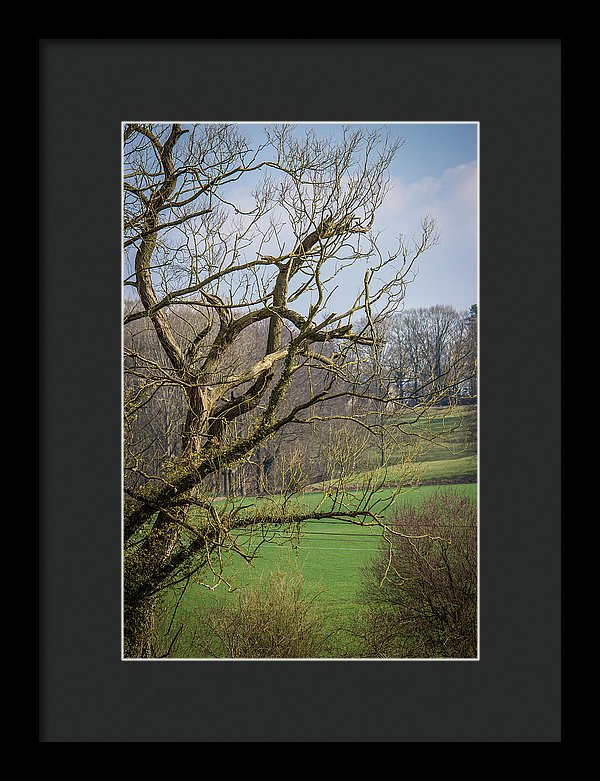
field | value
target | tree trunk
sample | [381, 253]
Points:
[142, 581]
[226, 482]
[138, 629]
[143, 568]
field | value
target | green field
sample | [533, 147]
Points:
[434, 472]
[330, 555]
[447, 441]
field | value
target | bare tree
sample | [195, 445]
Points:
[230, 256]
[421, 590]
[429, 354]
[470, 344]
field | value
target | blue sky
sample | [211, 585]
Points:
[436, 173]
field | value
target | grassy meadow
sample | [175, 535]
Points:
[329, 556]
[445, 439]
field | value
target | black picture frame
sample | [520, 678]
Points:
[87, 88]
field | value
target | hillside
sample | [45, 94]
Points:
[447, 453]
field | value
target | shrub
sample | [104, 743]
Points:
[420, 593]
[272, 619]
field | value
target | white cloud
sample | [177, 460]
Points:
[450, 198]
[447, 273]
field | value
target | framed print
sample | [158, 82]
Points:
[287, 338]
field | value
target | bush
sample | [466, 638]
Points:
[420, 592]
[272, 619]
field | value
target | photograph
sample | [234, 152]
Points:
[300, 390]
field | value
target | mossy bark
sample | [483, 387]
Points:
[143, 578]
[138, 629]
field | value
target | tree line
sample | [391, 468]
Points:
[421, 357]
